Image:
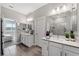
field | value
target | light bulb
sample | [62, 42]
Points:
[64, 8]
[57, 9]
[53, 11]
[30, 19]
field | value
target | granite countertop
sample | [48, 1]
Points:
[62, 40]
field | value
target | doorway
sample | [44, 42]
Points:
[8, 32]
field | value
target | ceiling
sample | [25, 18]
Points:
[24, 8]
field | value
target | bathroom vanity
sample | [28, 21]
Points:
[27, 39]
[58, 24]
[59, 47]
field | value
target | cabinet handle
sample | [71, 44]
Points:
[61, 53]
[47, 48]
[65, 54]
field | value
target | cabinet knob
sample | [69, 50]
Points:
[65, 54]
[61, 53]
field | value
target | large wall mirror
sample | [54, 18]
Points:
[64, 22]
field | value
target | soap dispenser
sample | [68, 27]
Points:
[72, 36]
[47, 34]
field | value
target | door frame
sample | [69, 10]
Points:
[2, 50]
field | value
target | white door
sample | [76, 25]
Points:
[55, 51]
[39, 29]
[69, 53]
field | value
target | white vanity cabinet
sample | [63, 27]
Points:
[24, 39]
[52, 48]
[44, 45]
[55, 49]
[70, 51]
[27, 40]
[30, 40]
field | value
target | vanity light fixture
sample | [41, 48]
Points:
[53, 11]
[30, 19]
[74, 7]
[60, 9]
[57, 9]
[64, 8]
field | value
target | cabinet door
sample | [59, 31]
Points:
[44, 49]
[68, 53]
[21, 38]
[30, 40]
[55, 51]
[26, 40]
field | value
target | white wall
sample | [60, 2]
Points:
[44, 11]
[13, 15]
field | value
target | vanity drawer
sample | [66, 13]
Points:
[55, 44]
[71, 48]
